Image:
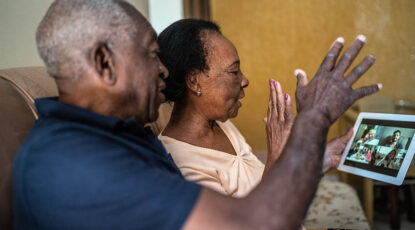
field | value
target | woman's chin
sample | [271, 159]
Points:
[234, 113]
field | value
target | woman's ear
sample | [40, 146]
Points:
[192, 81]
[104, 64]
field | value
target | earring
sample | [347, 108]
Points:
[198, 93]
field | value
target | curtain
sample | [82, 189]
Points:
[196, 9]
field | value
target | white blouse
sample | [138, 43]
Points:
[234, 175]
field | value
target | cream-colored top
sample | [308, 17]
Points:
[217, 170]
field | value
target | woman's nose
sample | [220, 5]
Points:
[244, 82]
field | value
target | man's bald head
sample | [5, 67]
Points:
[71, 28]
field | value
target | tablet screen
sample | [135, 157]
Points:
[380, 145]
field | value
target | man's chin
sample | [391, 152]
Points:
[152, 117]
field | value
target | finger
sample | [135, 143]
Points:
[280, 101]
[274, 109]
[331, 57]
[360, 69]
[349, 55]
[271, 82]
[366, 91]
[302, 78]
[288, 108]
[346, 137]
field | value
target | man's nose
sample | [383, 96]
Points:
[164, 72]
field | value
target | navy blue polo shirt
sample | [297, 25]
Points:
[82, 170]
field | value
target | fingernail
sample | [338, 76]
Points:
[299, 71]
[276, 84]
[340, 40]
[349, 129]
[296, 72]
[270, 82]
[380, 86]
[286, 96]
[361, 37]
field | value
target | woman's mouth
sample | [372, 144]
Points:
[239, 103]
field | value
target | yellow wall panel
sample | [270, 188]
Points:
[274, 37]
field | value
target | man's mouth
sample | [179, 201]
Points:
[162, 96]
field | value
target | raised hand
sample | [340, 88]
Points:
[278, 122]
[330, 92]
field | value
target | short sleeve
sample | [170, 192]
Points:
[105, 189]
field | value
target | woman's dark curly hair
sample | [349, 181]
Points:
[182, 51]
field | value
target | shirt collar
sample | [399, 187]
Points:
[52, 107]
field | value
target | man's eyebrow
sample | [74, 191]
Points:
[153, 35]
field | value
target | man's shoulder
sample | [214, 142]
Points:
[64, 164]
[57, 150]
[62, 135]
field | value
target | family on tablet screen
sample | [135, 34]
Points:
[381, 146]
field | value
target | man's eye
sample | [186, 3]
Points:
[155, 54]
[234, 72]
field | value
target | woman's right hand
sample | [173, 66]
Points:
[279, 121]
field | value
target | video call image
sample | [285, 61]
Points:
[380, 146]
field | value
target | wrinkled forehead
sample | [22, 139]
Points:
[220, 51]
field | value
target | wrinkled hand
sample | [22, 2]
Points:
[330, 92]
[334, 150]
[278, 121]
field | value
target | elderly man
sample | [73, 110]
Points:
[88, 162]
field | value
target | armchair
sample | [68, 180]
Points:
[19, 87]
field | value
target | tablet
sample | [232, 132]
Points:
[382, 147]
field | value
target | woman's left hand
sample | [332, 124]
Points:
[334, 150]
[279, 121]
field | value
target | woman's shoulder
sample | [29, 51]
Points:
[172, 144]
[231, 130]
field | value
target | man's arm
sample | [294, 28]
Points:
[280, 201]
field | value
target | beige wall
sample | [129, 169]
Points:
[18, 22]
[273, 37]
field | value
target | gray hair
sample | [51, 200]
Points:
[71, 28]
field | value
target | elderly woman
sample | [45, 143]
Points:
[369, 138]
[206, 85]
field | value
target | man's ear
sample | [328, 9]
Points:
[192, 81]
[104, 63]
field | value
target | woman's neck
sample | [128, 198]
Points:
[188, 121]
[189, 124]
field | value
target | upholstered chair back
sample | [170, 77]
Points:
[19, 87]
